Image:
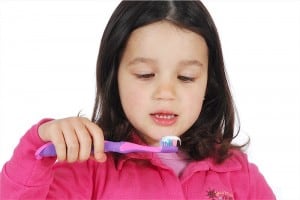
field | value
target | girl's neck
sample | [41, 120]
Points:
[176, 161]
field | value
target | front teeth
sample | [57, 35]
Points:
[161, 116]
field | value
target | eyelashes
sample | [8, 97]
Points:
[186, 78]
[145, 76]
[149, 76]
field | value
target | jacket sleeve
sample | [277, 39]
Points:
[259, 187]
[24, 177]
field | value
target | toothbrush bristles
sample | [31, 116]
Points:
[169, 141]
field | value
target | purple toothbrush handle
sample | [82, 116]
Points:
[110, 146]
[128, 147]
[48, 150]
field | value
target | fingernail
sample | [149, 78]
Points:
[101, 158]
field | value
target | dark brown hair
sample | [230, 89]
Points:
[213, 131]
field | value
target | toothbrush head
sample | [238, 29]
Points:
[169, 144]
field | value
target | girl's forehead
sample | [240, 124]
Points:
[163, 26]
[165, 41]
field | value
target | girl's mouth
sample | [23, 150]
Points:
[164, 119]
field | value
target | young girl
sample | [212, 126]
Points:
[160, 72]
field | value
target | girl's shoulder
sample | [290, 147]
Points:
[236, 161]
[237, 164]
[240, 159]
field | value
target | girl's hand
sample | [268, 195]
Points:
[73, 138]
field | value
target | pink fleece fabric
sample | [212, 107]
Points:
[133, 176]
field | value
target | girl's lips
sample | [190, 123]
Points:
[164, 119]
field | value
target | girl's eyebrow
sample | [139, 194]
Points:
[153, 62]
[142, 60]
[190, 62]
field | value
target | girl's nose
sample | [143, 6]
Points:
[165, 90]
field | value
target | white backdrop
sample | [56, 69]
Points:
[48, 52]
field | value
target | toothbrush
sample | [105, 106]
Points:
[168, 144]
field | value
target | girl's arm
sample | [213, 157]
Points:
[24, 177]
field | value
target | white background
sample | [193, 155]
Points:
[48, 52]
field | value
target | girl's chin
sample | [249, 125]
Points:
[152, 141]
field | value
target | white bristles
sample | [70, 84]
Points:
[170, 141]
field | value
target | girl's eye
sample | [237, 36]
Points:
[145, 76]
[186, 78]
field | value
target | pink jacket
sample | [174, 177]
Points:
[133, 176]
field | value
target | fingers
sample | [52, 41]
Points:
[85, 141]
[98, 141]
[59, 144]
[51, 131]
[73, 139]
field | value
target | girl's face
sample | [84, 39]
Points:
[162, 79]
